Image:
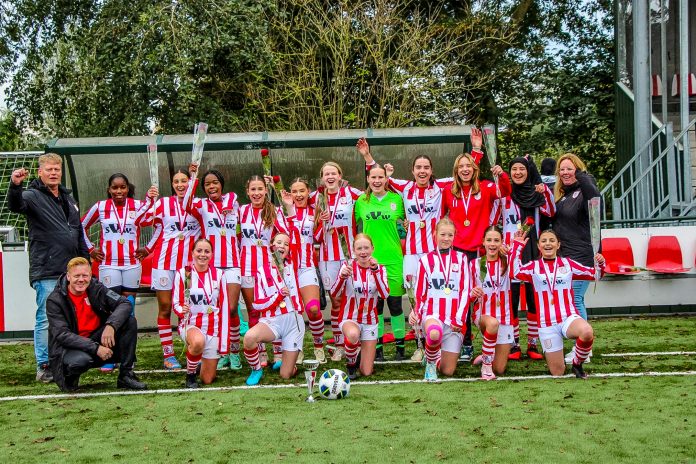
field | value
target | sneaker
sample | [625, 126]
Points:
[300, 358]
[235, 362]
[130, 382]
[418, 355]
[276, 364]
[44, 374]
[578, 371]
[171, 362]
[533, 352]
[430, 372]
[400, 354]
[379, 355]
[338, 354]
[515, 353]
[352, 371]
[467, 353]
[478, 360]
[263, 357]
[255, 377]
[191, 381]
[223, 362]
[319, 355]
[107, 368]
[71, 383]
[487, 372]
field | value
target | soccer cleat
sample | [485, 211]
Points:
[338, 354]
[352, 371]
[533, 352]
[400, 354]
[467, 353]
[191, 381]
[44, 374]
[170, 363]
[430, 372]
[418, 355]
[235, 362]
[578, 371]
[263, 357]
[130, 381]
[478, 360]
[515, 353]
[379, 355]
[255, 377]
[319, 355]
[487, 372]
[276, 364]
[107, 368]
[71, 383]
[223, 362]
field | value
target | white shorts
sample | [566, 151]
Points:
[506, 333]
[329, 273]
[162, 280]
[210, 346]
[247, 282]
[233, 275]
[289, 328]
[128, 279]
[307, 276]
[411, 269]
[551, 338]
[451, 341]
[368, 332]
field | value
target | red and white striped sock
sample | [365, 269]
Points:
[252, 357]
[234, 333]
[488, 348]
[432, 352]
[352, 352]
[532, 328]
[164, 327]
[277, 348]
[582, 351]
[192, 362]
[338, 336]
[316, 326]
[516, 329]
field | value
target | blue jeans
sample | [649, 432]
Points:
[43, 289]
[579, 289]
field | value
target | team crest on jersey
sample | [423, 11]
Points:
[431, 193]
[131, 214]
[576, 193]
[87, 302]
[344, 200]
[562, 269]
[455, 267]
[393, 206]
[477, 196]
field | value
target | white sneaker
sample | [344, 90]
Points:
[430, 372]
[319, 355]
[570, 355]
[418, 355]
[487, 372]
[337, 354]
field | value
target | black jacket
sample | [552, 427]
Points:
[572, 220]
[53, 240]
[112, 309]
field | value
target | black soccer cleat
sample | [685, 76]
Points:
[578, 371]
[379, 355]
[191, 381]
[130, 382]
[400, 354]
[352, 371]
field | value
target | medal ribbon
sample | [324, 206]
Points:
[466, 203]
[443, 268]
[121, 228]
[217, 212]
[178, 209]
[336, 203]
[208, 279]
[258, 224]
[555, 270]
[417, 200]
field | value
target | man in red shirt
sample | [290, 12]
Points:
[88, 326]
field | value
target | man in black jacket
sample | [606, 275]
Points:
[55, 236]
[88, 326]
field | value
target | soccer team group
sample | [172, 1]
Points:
[473, 249]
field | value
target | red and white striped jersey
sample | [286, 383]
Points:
[205, 293]
[268, 299]
[553, 285]
[341, 222]
[218, 222]
[442, 287]
[497, 293]
[304, 224]
[360, 292]
[505, 210]
[423, 206]
[120, 234]
[174, 233]
[256, 238]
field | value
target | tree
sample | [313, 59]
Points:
[10, 135]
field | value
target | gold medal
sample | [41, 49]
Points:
[422, 225]
[552, 301]
[497, 304]
[121, 240]
[282, 304]
[467, 223]
[223, 232]
[181, 236]
[447, 290]
[210, 309]
[259, 242]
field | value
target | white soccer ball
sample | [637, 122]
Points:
[334, 384]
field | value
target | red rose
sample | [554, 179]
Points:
[529, 221]
[264, 152]
[276, 179]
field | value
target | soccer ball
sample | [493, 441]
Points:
[334, 384]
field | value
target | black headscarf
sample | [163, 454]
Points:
[528, 200]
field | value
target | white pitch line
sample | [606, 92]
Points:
[650, 353]
[295, 385]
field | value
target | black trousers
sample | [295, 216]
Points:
[529, 297]
[77, 362]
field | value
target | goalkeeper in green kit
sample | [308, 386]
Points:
[379, 210]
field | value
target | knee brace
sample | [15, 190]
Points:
[433, 335]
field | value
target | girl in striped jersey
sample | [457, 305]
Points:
[337, 221]
[552, 278]
[174, 232]
[304, 224]
[277, 301]
[259, 222]
[442, 301]
[200, 302]
[359, 286]
[530, 198]
[218, 217]
[492, 297]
